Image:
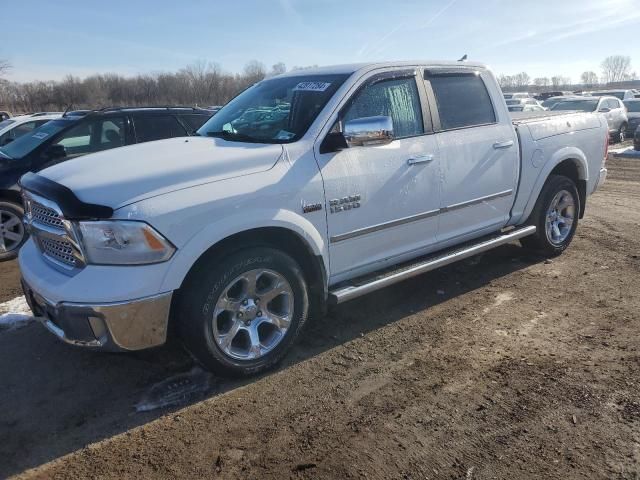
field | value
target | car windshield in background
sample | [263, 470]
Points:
[550, 102]
[581, 105]
[278, 110]
[27, 143]
[631, 107]
[516, 108]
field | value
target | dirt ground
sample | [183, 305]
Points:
[505, 366]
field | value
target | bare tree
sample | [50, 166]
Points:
[277, 69]
[5, 66]
[521, 80]
[541, 81]
[616, 68]
[589, 78]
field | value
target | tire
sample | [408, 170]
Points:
[12, 234]
[558, 191]
[232, 327]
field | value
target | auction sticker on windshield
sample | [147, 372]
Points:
[312, 86]
[40, 135]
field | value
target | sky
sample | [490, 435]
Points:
[46, 39]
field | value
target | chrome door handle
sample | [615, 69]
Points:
[420, 159]
[505, 144]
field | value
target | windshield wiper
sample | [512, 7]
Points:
[5, 155]
[227, 135]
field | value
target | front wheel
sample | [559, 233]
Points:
[12, 231]
[242, 315]
[555, 216]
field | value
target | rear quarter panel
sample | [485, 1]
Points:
[545, 144]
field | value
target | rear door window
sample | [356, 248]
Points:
[462, 100]
[157, 127]
[194, 121]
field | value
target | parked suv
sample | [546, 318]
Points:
[633, 115]
[75, 134]
[611, 107]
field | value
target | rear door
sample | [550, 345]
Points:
[478, 153]
[149, 127]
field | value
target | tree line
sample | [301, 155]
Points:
[202, 84]
[206, 84]
[616, 68]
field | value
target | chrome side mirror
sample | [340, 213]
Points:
[365, 131]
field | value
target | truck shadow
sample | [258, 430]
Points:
[56, 399]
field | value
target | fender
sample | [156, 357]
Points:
[523, 207]
[217, 231]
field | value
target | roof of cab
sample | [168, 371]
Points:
[350, 68]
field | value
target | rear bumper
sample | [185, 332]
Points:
[123, 326]
[601, 178]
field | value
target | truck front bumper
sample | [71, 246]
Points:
[120, 326]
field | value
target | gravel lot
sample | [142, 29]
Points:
[504, 366]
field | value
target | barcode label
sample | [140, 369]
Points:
[312, 86]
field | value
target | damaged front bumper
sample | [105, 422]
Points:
[120, 326]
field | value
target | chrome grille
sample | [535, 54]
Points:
[45, 215]
[53, 235]
[59, 250]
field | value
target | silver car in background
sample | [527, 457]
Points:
[611, 107]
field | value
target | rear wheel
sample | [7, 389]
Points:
[12, 231]
[242, 315]
[555, 216]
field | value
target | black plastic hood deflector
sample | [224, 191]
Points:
[72, 207]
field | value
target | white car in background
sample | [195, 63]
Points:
[15, 127]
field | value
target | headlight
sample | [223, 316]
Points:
[123, 243]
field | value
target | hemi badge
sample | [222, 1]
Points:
[312, 207]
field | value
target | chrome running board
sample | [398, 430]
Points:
[370, 283]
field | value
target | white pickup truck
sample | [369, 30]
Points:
[308, 189]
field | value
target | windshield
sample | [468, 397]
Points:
[6, 123]
[581, 105]
[279, 110]
[24, 145]
[549, 102]
[619, 95]
[515, 108]
[631, 106]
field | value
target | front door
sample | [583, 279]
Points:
[382, 200]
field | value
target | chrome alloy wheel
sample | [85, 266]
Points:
[560, 217]
[253, 314]
[11, 231]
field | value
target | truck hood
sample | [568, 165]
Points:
[126, 175]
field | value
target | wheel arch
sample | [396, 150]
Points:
[305, 246]
[570, 162]
[10, 195]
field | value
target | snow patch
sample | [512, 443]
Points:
[15, 314]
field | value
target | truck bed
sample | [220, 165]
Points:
[549, 124]
[519, 118]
